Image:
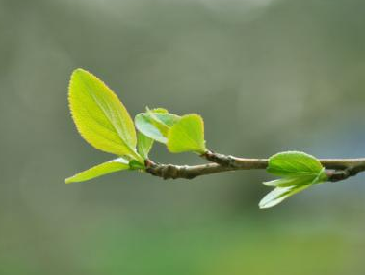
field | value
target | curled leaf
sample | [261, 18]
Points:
[298, 170]
[279, 194]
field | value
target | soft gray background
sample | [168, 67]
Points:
[266, 75]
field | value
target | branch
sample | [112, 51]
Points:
[338, 169]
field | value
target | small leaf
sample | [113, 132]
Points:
[187, 135]
[99, 170]
[99, 116]
[144, 145]
[146, 127]
[157, 110]
[168, 120]
[299, 171]
[279, 194]
[294, 163]
[156, 123]
[289, 181]
[162, 120]
[136, 165]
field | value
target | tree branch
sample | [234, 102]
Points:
[338, 169]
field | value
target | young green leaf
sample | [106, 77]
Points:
[99, 116]
[157, 110]
[187, 135]
[156, 123]
[136, 165]
[292, 163]
[144, 145]
[299, 171]
[163, 121]
[145, 125]
[279, 194]
[289, 181]
[99, 170]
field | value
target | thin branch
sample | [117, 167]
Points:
[337, 169]
[171, 171]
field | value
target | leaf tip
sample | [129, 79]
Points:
[68, 180]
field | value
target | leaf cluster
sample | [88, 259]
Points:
[103, 121]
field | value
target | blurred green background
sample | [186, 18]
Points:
[266, 75]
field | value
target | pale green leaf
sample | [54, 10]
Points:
[187, 135]
[294, 163]
[279, 194]
[290, 185]
[144, 145]
[157, 110]
[289, 181]
[168, 120]
[99, 115]
[162, 120]
[156, 123]
[99, 170]
[145, 125]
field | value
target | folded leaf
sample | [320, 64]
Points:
[145, 125]
[99, 115]
[156, 123]
[294, 163]
[187, 135]
[299, 171]
[279, 194]
[163, 121]
[99, 170]
[144, 145]
[295, 180]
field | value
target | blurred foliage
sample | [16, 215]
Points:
[255, 69]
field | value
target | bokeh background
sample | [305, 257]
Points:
[266, 75]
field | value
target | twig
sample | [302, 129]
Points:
[337, 169]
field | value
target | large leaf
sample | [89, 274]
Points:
[99, 170]
[292, 163]
[99, 115]
[187, 135]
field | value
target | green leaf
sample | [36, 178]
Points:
[157, 110]
[163, 121]
[145, 125]
[293, 163]
[144, 145]
[187, 135]
[279, 194]
[156, 123]
[99, 170]
[299, 171]
[100, 117]
[136, 165]
[168, 120]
